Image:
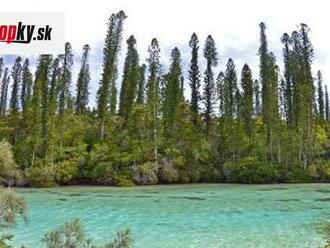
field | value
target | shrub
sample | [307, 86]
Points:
[146, 174]
[250, 170]
[11, 207]
[41, 176]
[168, 173]
[320, 171]
[210, 175]
[103, 173]
[9, 171]
[123, 181]
[65, 171]
[72, 235]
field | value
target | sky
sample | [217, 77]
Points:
[233, 25]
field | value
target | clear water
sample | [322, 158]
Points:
[182, 216]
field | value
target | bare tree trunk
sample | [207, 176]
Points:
[102, 129]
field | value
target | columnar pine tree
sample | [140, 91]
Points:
[55, 76]
[172, 93]
[220, 92]
[54, 83]
[327, 107]
[14, 100]
[269, 84]
[153, 91]
[320, 97]
[27, 82]
[194, 77]
[130, 79]
[182, 87]
[141, 85]
[44, 86]
[37, 122]
[287, 91]
[4, 92]
[210, 54]
[107, 89]
[257, 98]
[66, 75]
[303, 93]
[230, 98]
[229, 90]
[83, 82]
[247, 101]
[16, 76]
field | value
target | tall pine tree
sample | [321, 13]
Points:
[172, 92]
[210, 54]
[194, 77]
[130, 79]
[247, 101]
[4, 92]
[83, 82]
[27, 82]
[320, 97]
[153, 94]
[16, 76]
[141, 85]
[107, 89]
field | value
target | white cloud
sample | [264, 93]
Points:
[233, 24]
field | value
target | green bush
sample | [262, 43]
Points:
[103, 173]
[320, 171]
[123, 181]
[168, 174]
[9, 171]
[250, 170]
[72, 235]
[65, 171]
[210, 175]
[41, 176]
[146, 174]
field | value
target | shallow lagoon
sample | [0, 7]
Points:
[210, 215]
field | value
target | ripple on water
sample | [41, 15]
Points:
[194, 216]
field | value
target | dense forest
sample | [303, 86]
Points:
[271, 126]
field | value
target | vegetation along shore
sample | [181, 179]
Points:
[165, 126]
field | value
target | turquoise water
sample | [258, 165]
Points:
[212, 215]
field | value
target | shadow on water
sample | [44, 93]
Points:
[322, 190]
[188, 198]
[273, 189]
[288, 200]
[323, 199]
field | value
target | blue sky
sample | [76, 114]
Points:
[233, 25]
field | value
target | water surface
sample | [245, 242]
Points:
[211, 215]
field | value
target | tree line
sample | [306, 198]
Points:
[236, 127]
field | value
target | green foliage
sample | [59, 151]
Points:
[194, 77]
[11, 207]
[250, 170]
[146, 174]
[122, 240]
[107, 90]
[83, 82]
[270, 129]
[4, 239]
[210, 54]
[65, 171]
[72, 235]
[41, 176]
[9, 170]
